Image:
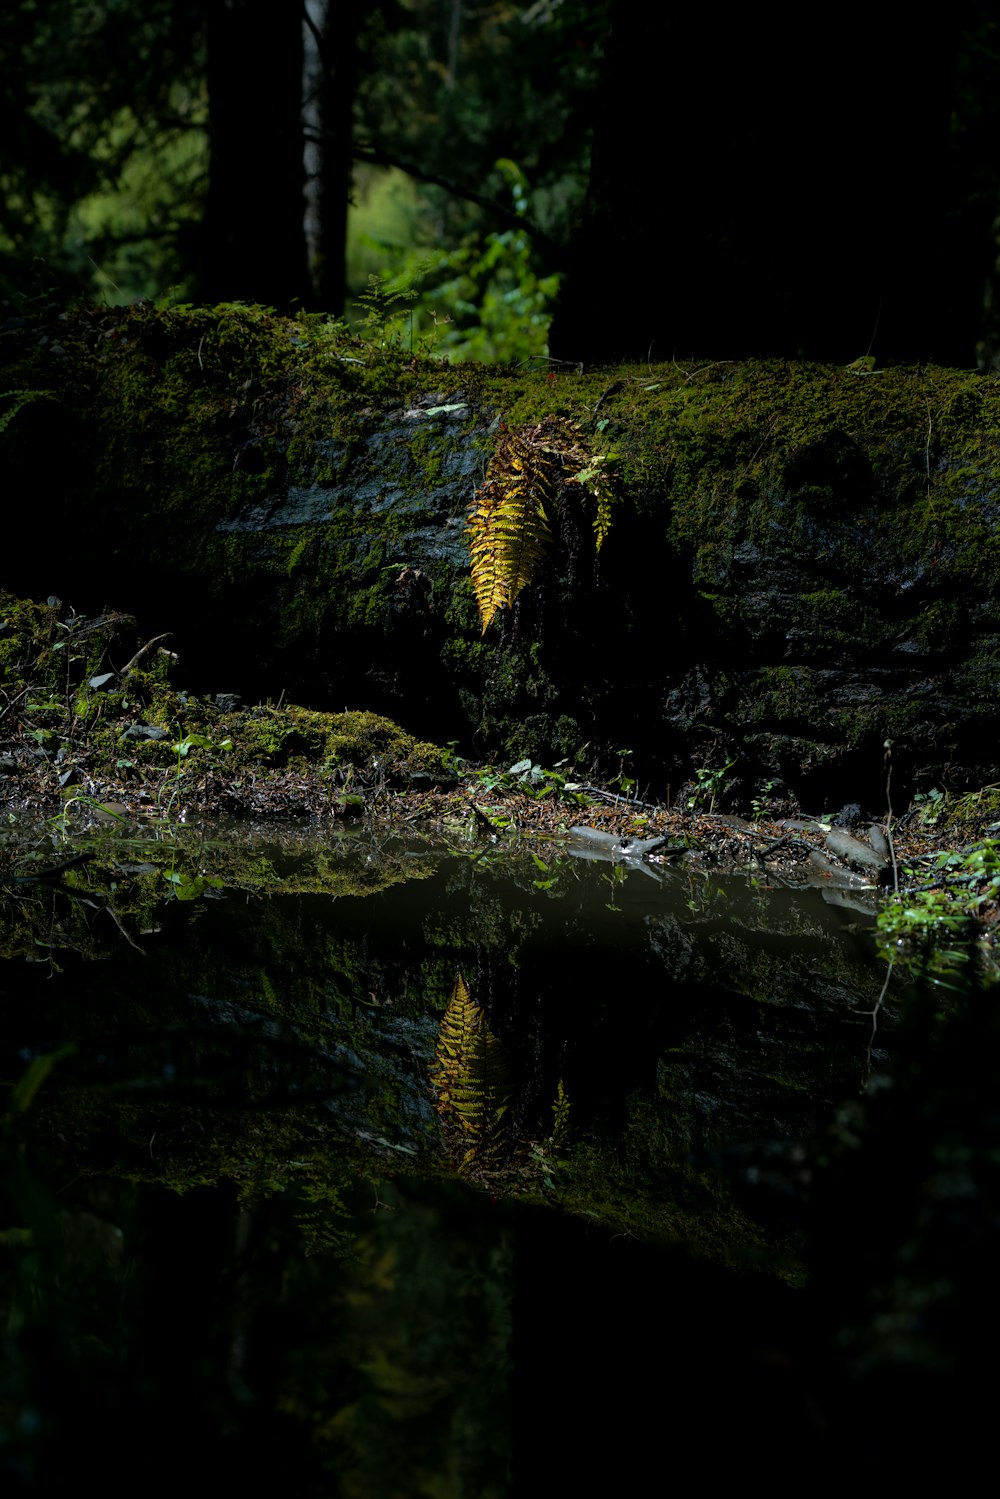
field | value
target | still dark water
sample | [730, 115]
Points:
[245, 1240]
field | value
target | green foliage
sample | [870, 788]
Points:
[934, 927]
[532, 781]
[106, 160]
[190, 886]
[102, 163]
[506, 786]
[710, 783]
[930, 805]
[625, 783]
[483, 300]
[384, 302]
[182, 749]
[761, 803]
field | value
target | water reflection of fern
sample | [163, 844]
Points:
[474, 1092]
[473, 1087]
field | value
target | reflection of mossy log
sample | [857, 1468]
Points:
[803, 562]
[289, 1043]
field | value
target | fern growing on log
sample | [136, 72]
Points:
[472, 1085]
[509, 524]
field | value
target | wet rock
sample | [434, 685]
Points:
[853, 851]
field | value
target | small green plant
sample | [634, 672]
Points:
[182, 748]
[60, 823]
[706, 896]
[930, 804]
[626, 784]
[549, 880]
[614, 879]
[533, 781]
[190, 886]
[451, 760]
[386, 301]
[709, 786]
[761, 803]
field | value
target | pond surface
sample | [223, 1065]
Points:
[284, 1190]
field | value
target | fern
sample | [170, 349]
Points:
[323, 1221]
[472, 1084]
[560, 1116]
[509, 526]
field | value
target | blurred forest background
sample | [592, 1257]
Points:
[665, 184]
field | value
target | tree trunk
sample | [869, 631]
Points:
[765, 187]
[253, 232]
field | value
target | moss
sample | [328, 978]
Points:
[964, 818]
[830, 521]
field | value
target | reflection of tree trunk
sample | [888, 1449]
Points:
[330, 78]
[772, 187]
[254, 244]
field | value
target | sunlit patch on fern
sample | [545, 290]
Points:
[473, 1088]
[510, 520]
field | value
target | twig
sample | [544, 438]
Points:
[878, 1005]
[117, 921]
[140, 653]
[616, 799]
[887, 746]
[613, 388]
[11, 701]
[53, 871]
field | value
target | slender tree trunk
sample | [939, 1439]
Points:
[330, 82]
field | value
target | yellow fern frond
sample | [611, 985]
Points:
[508, 525]
[470, 1079]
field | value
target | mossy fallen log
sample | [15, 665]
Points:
[801, 561]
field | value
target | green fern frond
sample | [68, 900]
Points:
[324, 1222]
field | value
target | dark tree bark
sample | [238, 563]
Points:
[764, 186]
[254, 237]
